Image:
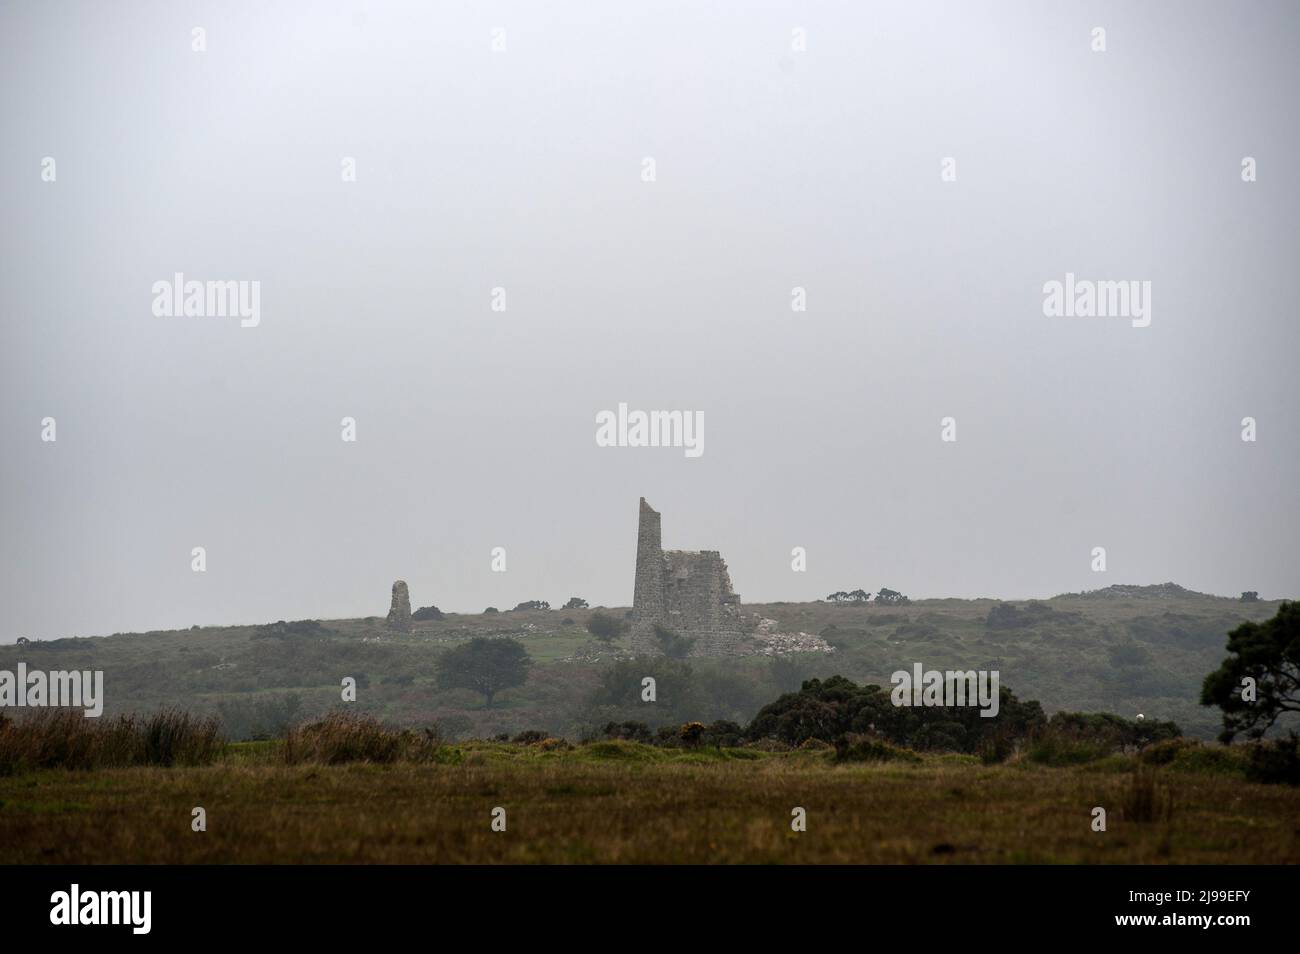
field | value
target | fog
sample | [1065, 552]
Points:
[523, 169]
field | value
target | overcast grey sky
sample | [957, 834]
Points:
[522, 169]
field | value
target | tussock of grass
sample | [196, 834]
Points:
[61, 738]
[1147, 797]
[353, 737]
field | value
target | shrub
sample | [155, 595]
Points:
[673, 644]
[632, 731]
[428, 613]
[530, 737]
[1165, 751]
[722, 734]
[605, 627]
[1210, 759]
[1052, 748]
[298, 629]
[815, 745]
[1110, 731]
[1004, 616]
[829, 708]
[862, 748]
[575, 602]
[772, 745]
[994, 750]
[1129, 654]
[1276, 762]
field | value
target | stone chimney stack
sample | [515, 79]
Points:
[648, 594]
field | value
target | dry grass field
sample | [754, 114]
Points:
[619, 802]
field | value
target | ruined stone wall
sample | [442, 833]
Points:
[688, 592]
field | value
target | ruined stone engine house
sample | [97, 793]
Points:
[687, 592]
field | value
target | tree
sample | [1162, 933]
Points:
[605, 627]
[891, 597]
[1250, 596]
[673, 644]
[485, 666]
[576, 602]
[620, 692]
[534, 605]
[1260, 679]
[852, 596]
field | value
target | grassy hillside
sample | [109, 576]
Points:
[623, 802]
[1124, 650]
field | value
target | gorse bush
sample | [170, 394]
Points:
[690, 734]
[1210, 759]
[61, 738]
[829, 708]
[1115, 732]
[1165, 751]
[1073, 738]
[341, 737]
